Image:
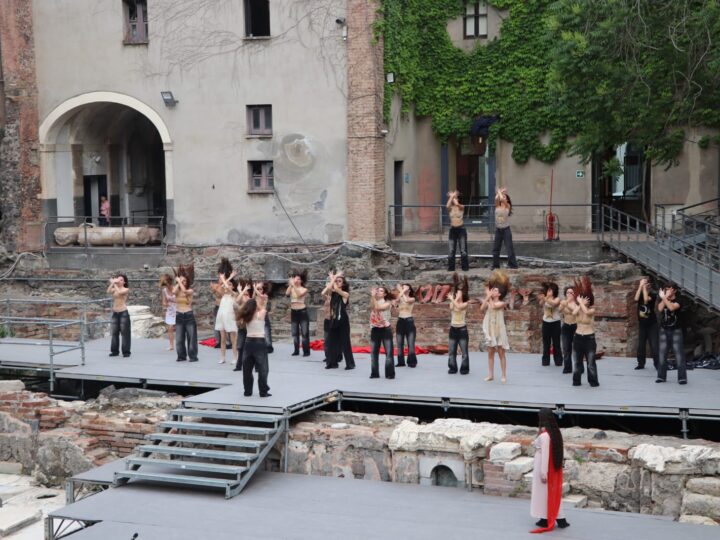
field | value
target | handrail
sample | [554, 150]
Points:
[685, 208]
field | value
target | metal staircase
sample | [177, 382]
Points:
[198, 447]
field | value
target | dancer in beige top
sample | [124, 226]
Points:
[458, 234]
[496, 339]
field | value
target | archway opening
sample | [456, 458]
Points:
[443, 476]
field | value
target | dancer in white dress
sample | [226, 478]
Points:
[496, 339]
[225, 322]
[170, 306]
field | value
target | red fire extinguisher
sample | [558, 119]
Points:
[552, 224]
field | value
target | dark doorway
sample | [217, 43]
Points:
[257, 18]
[443, 476]
[94, 187]
[475, 179]
[398, 210]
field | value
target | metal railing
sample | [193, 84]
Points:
[88, 226]
[675, 257]
[51, 325]
[528, 219]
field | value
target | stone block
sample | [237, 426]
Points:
[10, 467]
[505, 451]
[575, 501]
[596, 478]
[11, 386]
[701, 505]
[515, 469]
[405, 467]
[704, 486]
[697, 520]
[13, 519]
[688, 459]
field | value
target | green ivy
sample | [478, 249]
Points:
[510, 76]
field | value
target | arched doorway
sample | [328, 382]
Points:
[106, 145]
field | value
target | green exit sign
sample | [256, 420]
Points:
[579, 174]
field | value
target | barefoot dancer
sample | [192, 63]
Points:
[299, 319]
[584, 344]
[381, 332]
[458, 336]
[168, 304]
[496, 339]
[120, 322]
[339, 335]
[225, 320]
[405, 327]
[186, 328]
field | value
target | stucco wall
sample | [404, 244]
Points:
[202, 57]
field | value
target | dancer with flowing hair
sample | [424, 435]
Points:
[458, 335]
[457, 236]
[339, 335]
[120, 320]
[503, 234]
[569, 326]
[381, 331]
[168, 303]
[299, 318]
[245, 287]
[549, 300]
[185, 325]
[255, 354]
[547, 482]
[584, 344]
[225, 320]
[494, 330]
[405, 327]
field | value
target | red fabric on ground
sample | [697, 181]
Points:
[554, 485]
[209, 342]
[319, 344]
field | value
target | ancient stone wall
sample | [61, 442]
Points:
[20, 212]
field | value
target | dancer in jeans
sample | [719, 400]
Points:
[458, 234]
[647, 323]
[299, 318]
[339, 335]
[405, 327]
[503, 234]
[584, 345]
[494, 329]
[244, 287]
[567, 331]
[255, 352]
[551, 330]
[671, 335]
[185, 326]
[458, 336]
[381, 332]
[120, 322]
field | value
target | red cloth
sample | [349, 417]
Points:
[554, 486]
[210, 342]
[319, 344]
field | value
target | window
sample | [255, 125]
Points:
[475, 20]
[259, 119]
[136, 21]
[257, 18]
[261, 176]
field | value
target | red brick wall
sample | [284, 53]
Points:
[19, 170]
[366, 145]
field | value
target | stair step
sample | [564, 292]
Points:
[229, 415]
[196, 439]
[196, 452]
[224, 428]
[176, 479]
[189, 465]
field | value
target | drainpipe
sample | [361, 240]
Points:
[2, 96]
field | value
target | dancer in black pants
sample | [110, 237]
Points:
[299, 319]
[381, 332]
[503, 234]
[244, 288]
[550, 303]
[569, 325]
[405, 325]
[671, 335]
[339, 332]
[457, 234]
[255, 351]
[647, 323]
[584, 345]
[120, 321]
[185, 325]
[458, 336]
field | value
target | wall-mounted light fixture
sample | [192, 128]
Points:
[390, 77]
[168, 98]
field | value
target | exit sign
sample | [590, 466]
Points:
[579, 174]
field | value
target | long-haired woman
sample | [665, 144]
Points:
[569, 326]
[299, 318]
[458, 336]
[503, 234]
[168, 304]
[547, 482]
[381, 332]
[225, 320]
[245, 288]
[339, 333]
[457, 235]
[494, 329]
[584, 345]
[186, 327]
[255, 354]
[550, 300]
[405, 328]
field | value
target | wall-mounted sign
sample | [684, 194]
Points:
[406, 177]
[579, 174]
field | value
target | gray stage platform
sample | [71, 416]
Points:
[293, 380]
[289, 506]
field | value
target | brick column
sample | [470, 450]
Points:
[21, 226]
[366, 207]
